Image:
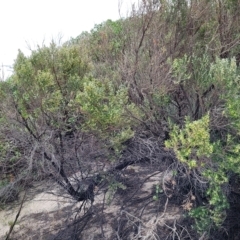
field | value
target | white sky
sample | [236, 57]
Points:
[29, 22]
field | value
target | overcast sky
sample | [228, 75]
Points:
[29, 22]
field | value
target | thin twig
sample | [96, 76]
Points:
[16, 218]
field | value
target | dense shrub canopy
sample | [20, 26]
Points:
[168, 73]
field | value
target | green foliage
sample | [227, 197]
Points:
[54, 82]
[106, 40]
[158, 191]
[160, 99]
[180, 69]
[225, 74]
[47, 81]
[106, 111]
[193, 76]
[202, 218]
[191, 142]
[9, 156]
[113, 187]
[162, 60]
[192, 147]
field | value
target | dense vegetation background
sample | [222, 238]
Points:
[161, 84]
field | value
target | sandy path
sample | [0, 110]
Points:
[41, 204]
[45, 213]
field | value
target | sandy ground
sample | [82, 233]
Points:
[45, 203]
[46, 212]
